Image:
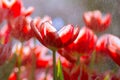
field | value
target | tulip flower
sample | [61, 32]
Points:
[113, 48]
[101, 44]
[86, 41]
[84, 44]
[13, 7]
[52, 38]
[20, 28]
[95, 20]
[110, 45]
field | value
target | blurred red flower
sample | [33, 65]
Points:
[84, 44]
[113, 48]
[13, 7]
[20, 28]
[110, 45]
[95, 21]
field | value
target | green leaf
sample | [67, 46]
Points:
[7, 68]
[59, 71]
[92, 63]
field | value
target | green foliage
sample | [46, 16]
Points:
[7, 68]
[59, 71]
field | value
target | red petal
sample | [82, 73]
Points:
[37, 33]
[86, 39]
[13, 5]
[114, 48]
[66, 33]
[106, 20]
[28, 12]
[87, 17]
[46, 28]
[49, 35]
[74, 36]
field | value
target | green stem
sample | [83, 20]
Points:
[93, 60]
[19, 66]
[54, 66]
[19, 63]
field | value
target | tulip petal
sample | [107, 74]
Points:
[37, 33]
[106, 20]
[74, 36]
[13, 5]
[76, 32]
[66, 33]
[96, 21]
[113, 48]
[86, 39]
[87, 17]
[49, 35]
[28, 12]
[46, 28]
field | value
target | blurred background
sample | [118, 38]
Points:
[64, 12]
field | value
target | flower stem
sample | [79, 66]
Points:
[19, 67]
[93, 60]
[54, 66]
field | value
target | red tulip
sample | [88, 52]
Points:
[113, 48]
[82, 45]
[95, 21]
[13, 7]
[52, 38]
[20, 28]
[110, 45]
[101, 44]
[86, 41]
